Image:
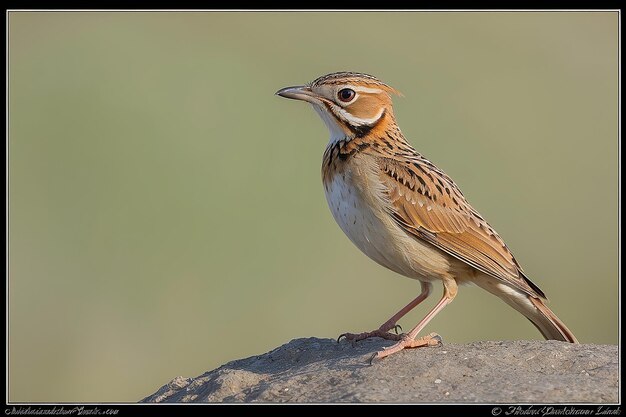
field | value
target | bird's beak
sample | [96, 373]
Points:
[300, 92]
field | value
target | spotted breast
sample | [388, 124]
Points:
[359, 203]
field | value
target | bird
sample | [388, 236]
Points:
[408, 215]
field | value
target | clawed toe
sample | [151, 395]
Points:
[406, 342]
[438, 340]
[383, 334]
[345, 336]
[352, 337]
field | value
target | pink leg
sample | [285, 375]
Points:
[383, 331]
[408, 340]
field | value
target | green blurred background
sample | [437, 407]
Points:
[167, 213]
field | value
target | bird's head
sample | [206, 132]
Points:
[351, 104]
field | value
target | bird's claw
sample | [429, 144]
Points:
[437, 338]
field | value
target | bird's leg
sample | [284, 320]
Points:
[408, 340]
[383, 331]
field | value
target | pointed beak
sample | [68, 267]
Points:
[300, 92]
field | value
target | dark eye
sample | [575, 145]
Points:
[346, 95]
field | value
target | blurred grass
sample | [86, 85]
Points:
[166, 209]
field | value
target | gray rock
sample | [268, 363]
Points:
[321, 370]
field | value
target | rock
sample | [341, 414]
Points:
[316, 370]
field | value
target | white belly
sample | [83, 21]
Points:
[358, 207]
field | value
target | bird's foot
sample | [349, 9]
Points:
[382, 332]
[405, 342]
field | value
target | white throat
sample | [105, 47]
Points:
[336, 132]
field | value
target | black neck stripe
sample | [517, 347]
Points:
[360, 131]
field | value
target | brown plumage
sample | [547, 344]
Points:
[407, 214]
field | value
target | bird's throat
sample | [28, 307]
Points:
[337, 132]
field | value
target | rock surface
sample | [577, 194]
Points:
[316, 370]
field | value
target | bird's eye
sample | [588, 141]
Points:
[346, 95]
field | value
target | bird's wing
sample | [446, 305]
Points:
[427, 204]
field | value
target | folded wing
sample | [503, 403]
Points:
[427, 204]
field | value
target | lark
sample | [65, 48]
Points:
[406, 214]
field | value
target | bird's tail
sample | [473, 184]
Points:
[550, 326]
[533, 308]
